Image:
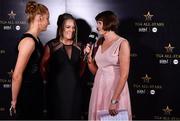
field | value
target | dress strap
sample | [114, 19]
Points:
[31, 36]
[117, 46]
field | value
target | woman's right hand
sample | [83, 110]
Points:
[88, 49]
[12, 109]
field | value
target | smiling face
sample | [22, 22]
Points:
[100, 29]
[69, 29]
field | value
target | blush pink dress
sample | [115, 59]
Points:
[106, 80]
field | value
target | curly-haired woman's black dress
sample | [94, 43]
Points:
[63, 84]
[30, 98]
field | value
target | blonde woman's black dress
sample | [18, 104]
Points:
[30, 98]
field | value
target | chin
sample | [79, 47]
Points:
[44, 29]
[69, 37]
[101, 33]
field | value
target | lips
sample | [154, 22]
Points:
[69, 35]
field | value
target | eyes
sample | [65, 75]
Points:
[45, 17]
[99, 23]
[69, 24]
[69, 27]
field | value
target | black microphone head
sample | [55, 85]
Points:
[92, 37]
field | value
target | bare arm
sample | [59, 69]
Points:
[92, 66]
[124, 59]
[91, 62]
[44, 62]
[25, 47]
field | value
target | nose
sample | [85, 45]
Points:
[72, 29]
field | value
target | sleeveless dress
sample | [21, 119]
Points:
[64, 90]
[106, 80]
[29, 101]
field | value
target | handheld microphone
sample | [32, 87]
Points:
[91, 40]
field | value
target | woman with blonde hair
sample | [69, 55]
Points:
[27, 84]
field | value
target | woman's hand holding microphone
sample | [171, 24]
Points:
[88, 53]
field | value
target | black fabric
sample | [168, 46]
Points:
[64, 88]
[29, 102]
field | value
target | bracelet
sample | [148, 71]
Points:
[113, 101]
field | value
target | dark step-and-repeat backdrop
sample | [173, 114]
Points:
[152, 29]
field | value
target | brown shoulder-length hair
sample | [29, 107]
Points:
[60, 25]
[109, 19]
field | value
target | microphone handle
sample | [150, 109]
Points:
[86, 54]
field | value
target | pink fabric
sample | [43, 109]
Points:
[106, 79]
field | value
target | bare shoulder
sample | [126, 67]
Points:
[27, 43]
[124, 50]
[28, 40]
[124, 42]
[124, 47]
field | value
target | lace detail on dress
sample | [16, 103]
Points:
[68, 49]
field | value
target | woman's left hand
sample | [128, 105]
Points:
[113, 109]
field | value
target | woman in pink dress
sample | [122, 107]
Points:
[111, 67]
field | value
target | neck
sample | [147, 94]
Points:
[110, 35]
[67, 41]
[33, 29]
